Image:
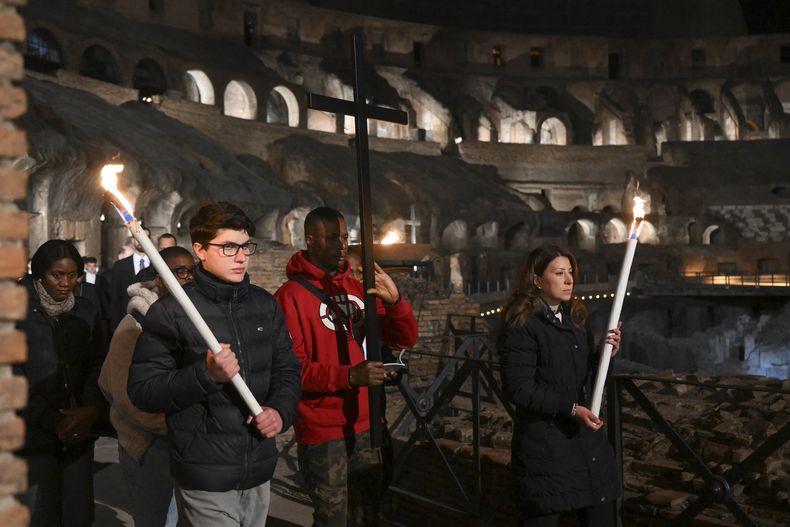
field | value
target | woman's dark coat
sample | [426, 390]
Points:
[65, 355]
[559, 465]
[211, 447]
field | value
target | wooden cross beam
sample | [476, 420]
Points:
[361, 111]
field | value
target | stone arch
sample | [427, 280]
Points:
[149, 78]
[240, 101]
[692, 231]
[98, 63]
[42, 51]
[282, 107]
[782, 90]
[614, 231]
[455, 236]
[517, 236]
[703, 102]
[648, 234]
[553, 132]
[466, 113]
[266, 225]
[520, 132]
[749, 96]
[485, 130]
[581, 234]
[198, 87]
[487, 235]
[292, 227]
[712, 235]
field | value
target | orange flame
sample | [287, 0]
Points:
[391, 237]
[109, 180]
[639, 215]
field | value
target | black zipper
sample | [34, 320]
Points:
[245, 376]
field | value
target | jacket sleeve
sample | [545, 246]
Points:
[317, 377]
[114, 377]
[156, 382]
[285, 388]
[398, 325]
[518, 352]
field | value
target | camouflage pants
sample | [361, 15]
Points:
[344, 480]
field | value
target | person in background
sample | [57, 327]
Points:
[561, 459]
[113, 283]
[221, 458]
[91, 269]
[166, 240]
[142, 436]
[65, 355]
[323, 307]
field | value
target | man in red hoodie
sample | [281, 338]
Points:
[323, 308]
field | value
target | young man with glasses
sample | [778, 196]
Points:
[221, 459]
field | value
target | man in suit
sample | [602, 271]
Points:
[113, 283]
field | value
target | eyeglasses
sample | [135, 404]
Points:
[232, 249]
[183, 272]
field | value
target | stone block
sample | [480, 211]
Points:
[14, 514]
[12, 433]
[13, 301]
[13, 101]
[12, 66]
[13, 347]
[12, 27]
[13, 184]
[13, 393]
[13, 262]
[13, 224]
[13, 475]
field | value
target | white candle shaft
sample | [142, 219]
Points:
[614, 318]
[189, 308]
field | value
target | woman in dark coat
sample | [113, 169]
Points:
[64, 359]
[561, 458]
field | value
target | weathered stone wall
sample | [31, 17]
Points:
[13, 258]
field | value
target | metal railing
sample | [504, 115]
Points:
[474, 360]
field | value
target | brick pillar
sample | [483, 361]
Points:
[13, 262]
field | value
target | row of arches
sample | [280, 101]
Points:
[523, 115]
[43, 53]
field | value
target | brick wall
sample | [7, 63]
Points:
[13, 260]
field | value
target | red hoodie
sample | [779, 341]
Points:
[330, 407]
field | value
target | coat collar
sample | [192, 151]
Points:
[220, 290]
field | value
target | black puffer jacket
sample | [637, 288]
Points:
[65, 356]
[211, 448]
[559, 465]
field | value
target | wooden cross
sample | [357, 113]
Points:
[361, 111]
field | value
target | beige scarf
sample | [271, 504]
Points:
[51, 306]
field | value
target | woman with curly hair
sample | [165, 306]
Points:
[561, 459]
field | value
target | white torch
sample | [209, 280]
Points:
[617, 306]
[109, 179]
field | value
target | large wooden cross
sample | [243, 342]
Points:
[361, 111]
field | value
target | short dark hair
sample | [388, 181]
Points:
[52, 251]
[89, 259]
[212, 217]
[170, 253]
[320, 215]
[166, 235]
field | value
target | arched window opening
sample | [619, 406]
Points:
[614, 231]
[553, 132]
[712, 235]
[282, 107]
[42, 52]
[582, 235]
[198, 87]
[240, 100]
[454, 237]
[98, 63]
[148, 78]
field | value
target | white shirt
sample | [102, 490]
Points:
[136, 258]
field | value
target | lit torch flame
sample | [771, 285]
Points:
[391, 237]
[639, 215]
[109, 180]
